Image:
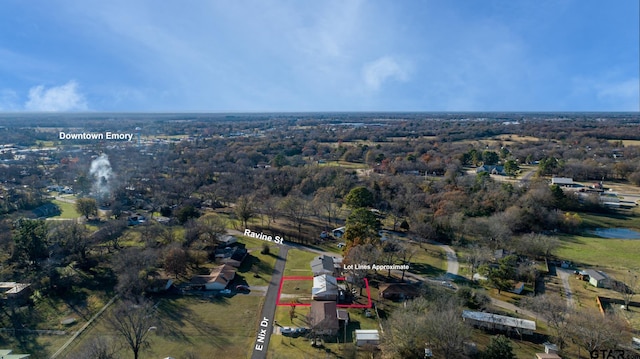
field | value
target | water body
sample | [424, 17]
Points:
[616, 233]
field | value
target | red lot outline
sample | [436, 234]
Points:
[366, 282]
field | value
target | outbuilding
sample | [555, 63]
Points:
[367, 337]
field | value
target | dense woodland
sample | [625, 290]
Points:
[416, 170]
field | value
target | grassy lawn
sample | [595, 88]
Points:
[587, 251]
[219, 327]
[611, 220]
[68, 209]
[298, 263]
[429, 260]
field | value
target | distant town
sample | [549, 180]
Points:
[320, 235]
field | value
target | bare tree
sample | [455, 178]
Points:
[555, 311]
[477, 256]
[627, 287]
[244, 209]
[592, 330]
[97, 348]
[133, 321]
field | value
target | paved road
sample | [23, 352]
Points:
[265, 326]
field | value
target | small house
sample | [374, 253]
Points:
[397, 291]
[217, 279]
[227, 240]
[325, 287]
[598, 279]
[323, 264]
[324, 318]
[367, 337]
[232, 255]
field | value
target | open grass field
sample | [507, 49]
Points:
[345, 164]
[591, 251]
[68, 210]
[429, 260]
[611, 220]
[627, 142]
[208, 327]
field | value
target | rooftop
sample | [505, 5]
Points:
[499, 319]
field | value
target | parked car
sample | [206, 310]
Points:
[286, 330]
[341, 244]
[242, 288]
[225, 291]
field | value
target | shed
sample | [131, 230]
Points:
[598, 279]
[367, 337]
[338, 232]
[397, 291]
[518, 288]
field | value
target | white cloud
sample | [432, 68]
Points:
[58, 98]
[375, 73]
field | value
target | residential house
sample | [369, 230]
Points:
[494, 170]
[598, 279]
[227, 240]
[324, 318]
[232, 255]
[323, 264]
[563, 181]
[367, 336]
[325, 287]
[217, 279]
[397, 291]
[497, 322]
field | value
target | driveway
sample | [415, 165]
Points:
[564, 275]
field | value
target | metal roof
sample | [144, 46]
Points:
[500, 319]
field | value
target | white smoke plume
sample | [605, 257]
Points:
[102, 175]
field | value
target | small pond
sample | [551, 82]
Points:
[616, 233]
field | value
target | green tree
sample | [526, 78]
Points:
[362, 227]
[490, 157]
[31, 240]
[359, 197]
[499, 348]
[185, 213]
[87, 207]
[511, 167]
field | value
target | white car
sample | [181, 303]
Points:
[286, 330]
[341, 244]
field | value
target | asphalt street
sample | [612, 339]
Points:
[265, 326]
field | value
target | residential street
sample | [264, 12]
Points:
[263, 333]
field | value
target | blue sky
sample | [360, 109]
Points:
[304, 55]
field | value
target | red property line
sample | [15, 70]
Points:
[278, 303]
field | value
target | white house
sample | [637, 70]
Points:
[218, 279]
[325, 287]
[367, 336]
